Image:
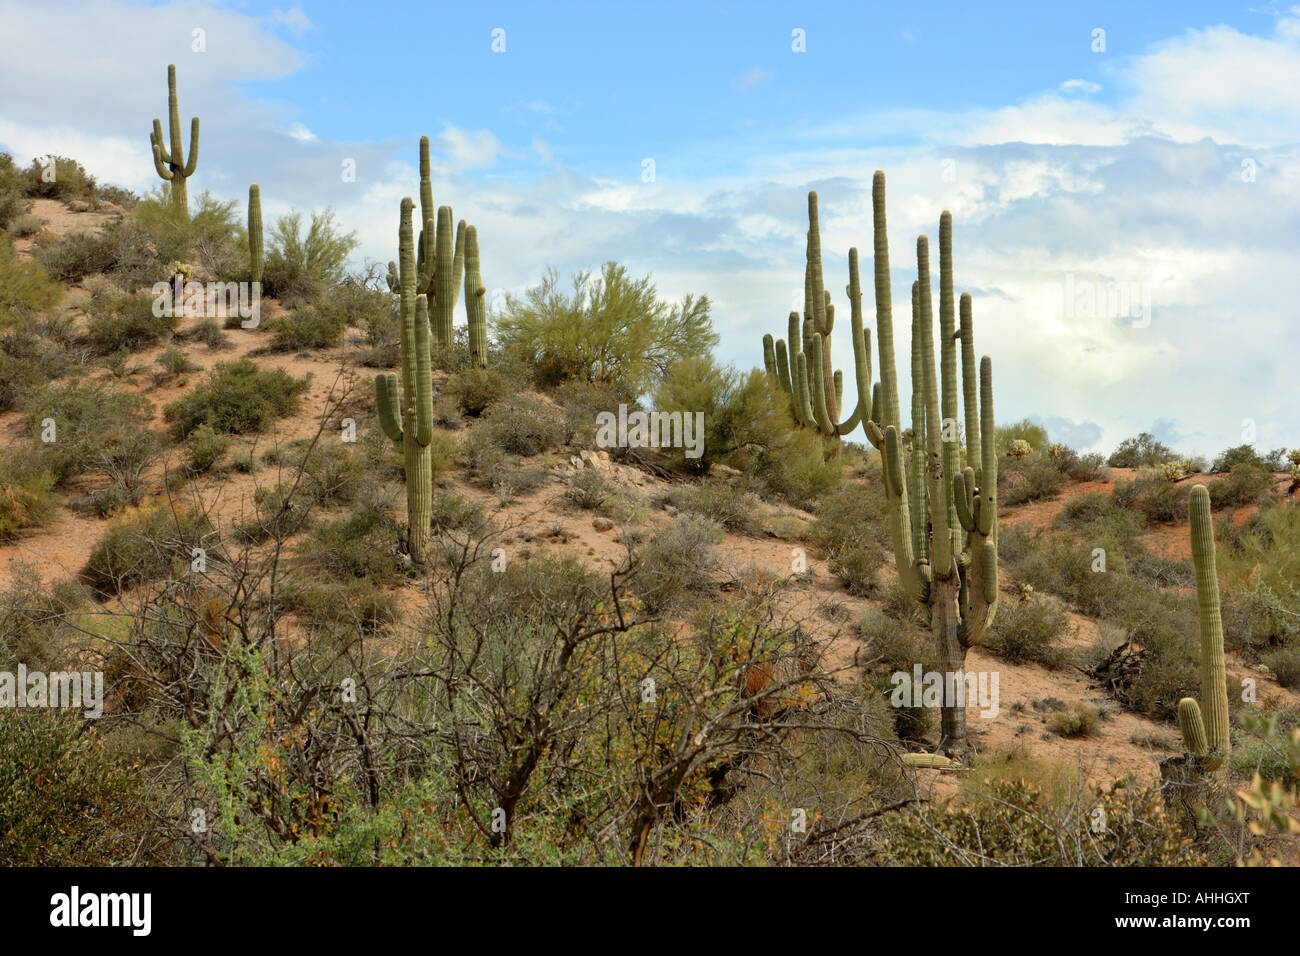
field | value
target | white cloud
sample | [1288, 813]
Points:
[301, 133]
[1080, 86]
[293, 19]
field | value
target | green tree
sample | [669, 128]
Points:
[610, 329]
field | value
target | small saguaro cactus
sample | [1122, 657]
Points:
[802, 368]
[943, 519]
[408, 417]
[475, 301]
[1205, 725]
[171, 164]
[255, 257]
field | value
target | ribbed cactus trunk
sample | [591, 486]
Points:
[170, 162]
[408, 417]
[1205, 725]
[440, 261]
[943, 519]
[255, 252]
[475, 301]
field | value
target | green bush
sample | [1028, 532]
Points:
[174, 361]
[1245, 485]
[476, 389]
[78, 254]
[204, 448]
[1151, 495]
[126, 321]
[96, 428]
[677, 560]
[851, 531]
[63, 179]
[588, 489]
[144, 545]
[1228, 460]
[1031, 478]
[25, 288]
[1285, 665]
[1143, 451]
[1029, 631]
[25, 225]
[238, 397]
[358, 545]
[13, 192]
[310, 327]
[29, 359]
[302, 267]
[1077, 720]
[612, 329]
[524, 425]
[27, 498]
[1024, 430]
[730, 503]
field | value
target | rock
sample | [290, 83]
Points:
[602, 524]
[78, 205]
[670, 511]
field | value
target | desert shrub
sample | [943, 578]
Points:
[308, 327]
[1077, 720]
[26, 288]
[356, 604]
[143, 545]
[733, 506]
[1029, 631]
[1096, 517]
[204, 448]
[582, 402]
[801, 468]
[588, 489]
[125, 321]
[1150, 495]
[25, 225]
[237, 397]
[13, 192]
[1230, 458]
[95, 427]
[1285, 665]
[450, 512]
[678, 559]
[29, 359]
[58, 177]
[895, 645]
[1016, 824]
[66, 797]
[27, 498]
[174, 361]
[1030, 477]
[358, 545]
[1244, 485]
[209, 333]
[524, 425]
[1264, 746]
[1085, 467]
[476, 389]
[302, 267]
[1035, 436]
[157, 233]
[77, 255]
[1142, 451]
[851, 531]
[612, 329]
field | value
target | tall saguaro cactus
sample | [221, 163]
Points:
[1210, 749]
[475, 301]
[255, 256]
[171, 163]
[943, 520]
[408, 417]
[802, 367]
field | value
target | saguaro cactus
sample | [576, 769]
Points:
[439, 262]
[255, 257]
[475, 301]
[943, 520]
[408, 417]
[1210, 749]
[171, 164]
[802, 367]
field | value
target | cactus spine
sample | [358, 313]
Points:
[1210, 749]
[408, 417]
[475, 301]
[171, 164]
[255, 256]
[943, 520]
[801, 365]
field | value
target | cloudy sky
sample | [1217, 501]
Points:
[1125, 183]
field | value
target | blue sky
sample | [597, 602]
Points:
[1166, 164]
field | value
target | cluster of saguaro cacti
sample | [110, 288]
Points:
[440, 262]
[1205, 725]
[943, 518]
[802, 367]
[407, 416]
[171, 164]
[255, 256]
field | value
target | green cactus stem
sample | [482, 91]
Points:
[255, 256]
[408, 417]
[171, 163]
[475, 300]
[1205, 725]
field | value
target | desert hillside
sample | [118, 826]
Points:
[756, 590]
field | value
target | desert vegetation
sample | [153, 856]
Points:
[368, 582]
